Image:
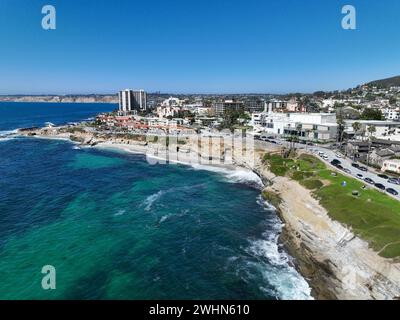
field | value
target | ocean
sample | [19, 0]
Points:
[116, 227]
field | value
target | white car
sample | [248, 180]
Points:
[338, 155]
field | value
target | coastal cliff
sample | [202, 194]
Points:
[336, 263]
[62, 98]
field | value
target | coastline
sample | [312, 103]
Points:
[335, 263]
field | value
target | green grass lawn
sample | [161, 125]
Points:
[372, 215]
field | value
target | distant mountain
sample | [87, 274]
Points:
[386, 83]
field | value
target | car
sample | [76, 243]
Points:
[355, 165]
[383, 176]
[394, 181]
[364, 169]
[339, 155]
[339, 167]
[369, 180]
[380, 186]
[347, 170]
[335, 162]
[321, 153]
[359, 175]
[392, 191]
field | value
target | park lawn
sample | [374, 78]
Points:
[372, 215]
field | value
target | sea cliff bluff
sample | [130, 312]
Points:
[336, 263]
[62, 98]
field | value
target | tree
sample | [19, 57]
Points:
[392, 101]
[340, 122]
[356, 127]
[371, 130]
[371, 114]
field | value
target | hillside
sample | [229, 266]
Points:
[386, 83]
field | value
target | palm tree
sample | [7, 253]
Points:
[356, 127]
[295, 138]
[371, 130]
[340, 122]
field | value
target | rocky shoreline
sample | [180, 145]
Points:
[336, 263]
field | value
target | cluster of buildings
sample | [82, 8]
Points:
[376, 141]
[289, 115]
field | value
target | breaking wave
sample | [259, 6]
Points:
[278, 269]
[6, 133]
[234, 175]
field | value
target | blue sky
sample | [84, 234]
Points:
[219, 46]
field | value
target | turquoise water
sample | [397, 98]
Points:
[116, 227]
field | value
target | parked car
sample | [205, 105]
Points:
[335, 162]
[359, 175]
[339, 167]
[364, 169]
[383, 176]
[392, 191]
[347, 170]
[380, 186]
[339, 155]
[394, 181]
[355, 165]
[369, 180]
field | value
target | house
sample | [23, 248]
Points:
[392, 165]
[357, 149]
[377, 157]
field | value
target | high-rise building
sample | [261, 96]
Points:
[132, 100]
[220, 108]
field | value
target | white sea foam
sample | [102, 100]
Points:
[150, 200]
[163, 218]
[244, 176]
[8, 132]
[287, 282]
[236, 175]
[120, 213]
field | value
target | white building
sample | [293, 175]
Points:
[392, 165]
[384, 130]
[172, 102]
[391, 114]
[131, 101]
[308, 126]
[165, 112]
